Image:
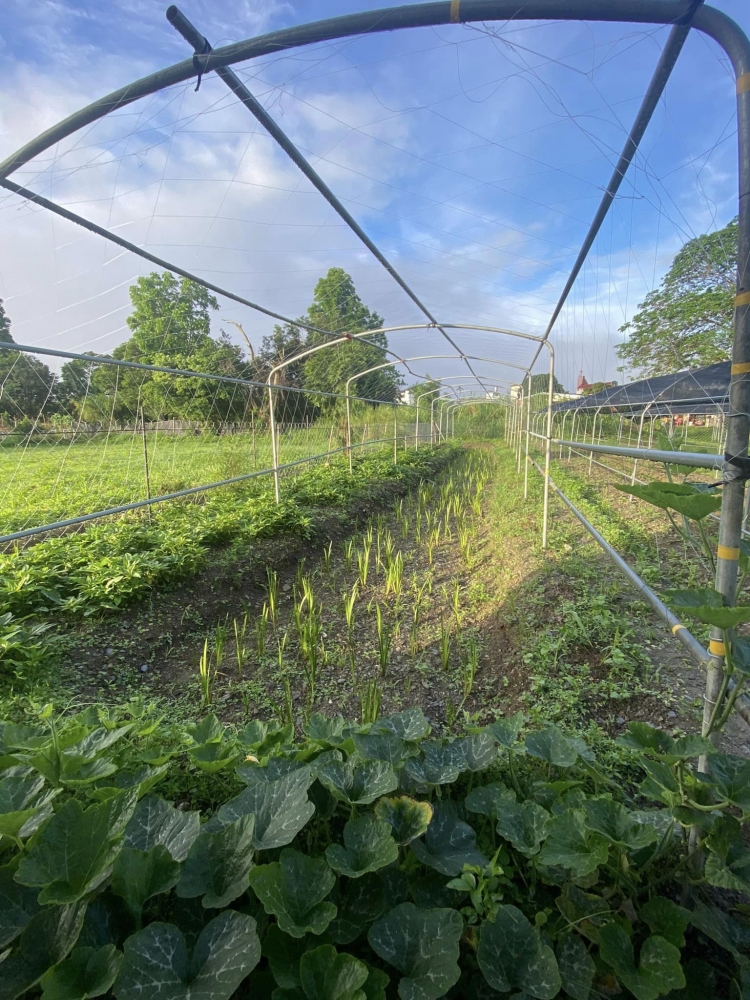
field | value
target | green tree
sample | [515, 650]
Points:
[687, 321]
[540, 383]
[427, 389]
[337, 307]
[26, 384]
[170, 324]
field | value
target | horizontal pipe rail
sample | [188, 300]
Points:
[695, 459]
[137, 504]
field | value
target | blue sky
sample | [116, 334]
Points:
[474, 156]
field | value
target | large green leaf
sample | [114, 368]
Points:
[156, 822]
[449, 843]
[478, 750]
[489, 800]
[407, 817]
[368, 846]
[728, 861]
[357, 783]
[506, 731]
[571, 844]
[284, 954]
[524, 824]
[359, 901]
[551, 745]
[326, 975]
[72, 854]
[615, 823]
[381, 746]
[45, 941]
[17, 904]
[218, 865]
[436, 765]
[139, 875]
[730, 776]
[708, 606]
[422, 945]
[666, 918]
[658, 970]
[512, 955]
[24, 805]
[157, 963]
[87, 972]
[576, 967]
[281, 809]
[323, 730]
[642, 737]
[213, 757]
[294, 889]
[682, 497]
[410, 724]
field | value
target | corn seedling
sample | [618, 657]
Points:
[385, 637]
[445, 645]
[363, 563]
[404, 526]
[349, 602]
[327, 551]
[239, 643]
[469, 666]
[457, 602]
[207, 675]
[261, 631]
[272, 594]
[348, 554]
[394, 575]
[220, 641]
[370, 697]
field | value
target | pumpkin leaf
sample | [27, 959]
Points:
[449, 843]
[506, 731]
[550, 745]
[524, 825]
[281, 809]
[87, 972]
[139, 875]
[407, 817]
[72, 855]
[156, 822]
[511, 955]
[157, 963]
[357, 783]
[293, 889]
[576, 967]
[368, 846]
[571, 844]
[218, 865]
[422, 945]
[658, 970]
[489, 800]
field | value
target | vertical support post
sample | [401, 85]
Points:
[416, 427]
[274, 442]
[548, 444]
[147, 475]
[528, 438]
[252, 426]
[395, 435]
[432, 421]
[519, 430]
[349, 431]
[738, 424]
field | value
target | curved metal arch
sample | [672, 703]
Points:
[706, 19]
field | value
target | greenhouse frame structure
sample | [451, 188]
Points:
[683, 15]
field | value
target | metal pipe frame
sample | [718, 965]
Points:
[681, 13]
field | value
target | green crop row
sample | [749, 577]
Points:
[361, 862]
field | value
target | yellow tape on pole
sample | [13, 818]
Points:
[743, 83]
[730, 554]
[743, 299]
[741, 368]
[455, 16]
[716, 648]
[676, 629]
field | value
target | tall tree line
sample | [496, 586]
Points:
[170, 326]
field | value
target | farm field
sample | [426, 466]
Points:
[47, 481]
[483, 682]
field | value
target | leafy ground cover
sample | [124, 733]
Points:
[362, 862]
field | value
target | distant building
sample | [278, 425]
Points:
[584, 388]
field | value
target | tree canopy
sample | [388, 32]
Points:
[687, 321]
[540, 383]
[26, 384]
